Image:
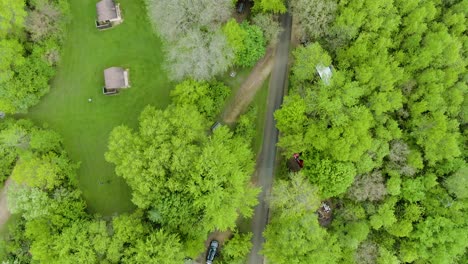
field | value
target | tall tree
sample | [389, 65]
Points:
[192, 183]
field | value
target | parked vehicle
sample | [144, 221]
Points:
[212, 251]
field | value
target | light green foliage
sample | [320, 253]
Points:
[265, 6]
[458, 183]
[34, 156]
[27, 63]
[158, 247]
[306, 59]
[294, 234]
[207, 97]
[385, 215]
[235, 35]
[225, 167]
[414, 190]
[127, 229]
[254, 45]
[332, 178]
[31, 203]
[387, 257]
[192, 183]
[247, 42]
[394, 104]
[82, 242]
[237, 248]
[246, 125]
[43, 171]
[12, 15]
[295, 197]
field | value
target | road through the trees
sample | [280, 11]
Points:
[4, 212]
[266, 161]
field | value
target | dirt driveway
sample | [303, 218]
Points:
[246, 93]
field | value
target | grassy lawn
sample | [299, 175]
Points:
[260, 101]
[86, 126]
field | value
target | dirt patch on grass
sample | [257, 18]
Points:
[249, 88]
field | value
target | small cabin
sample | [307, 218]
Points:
[115, 79]
[108, 14]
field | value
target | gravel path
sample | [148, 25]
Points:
[267, 159]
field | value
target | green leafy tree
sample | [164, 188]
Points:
[458, 183]
[12, 15]
[332, 178]
[294, 219]
[207, 97]
[254, 46]
[158, 247]
[314, 16]
[265, 6]
[192, 183]
[247, 42]
[237, 248]
[306, 59]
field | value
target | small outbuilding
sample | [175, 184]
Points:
[325, 73]
[108, 14]
[115, 78]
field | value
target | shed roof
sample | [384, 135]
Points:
[116, 77]
[106, 10]
[325, 73]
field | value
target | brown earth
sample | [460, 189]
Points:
[246, 93]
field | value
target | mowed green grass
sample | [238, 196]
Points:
[85, 125]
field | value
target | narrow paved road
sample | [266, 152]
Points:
[266, 161]
[4, 212]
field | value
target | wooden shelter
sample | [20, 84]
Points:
[108, 14]
[115, 78]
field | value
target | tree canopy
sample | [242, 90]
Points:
[383, 140]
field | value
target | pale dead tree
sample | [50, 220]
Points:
[199, 55]
[270, 26]
[174, 18]
[43, 20]
[369, 187]
[398, 157]
[296, 196]
[314, 16]
[194, 44]
[367, 253]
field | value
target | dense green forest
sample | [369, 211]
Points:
[384, 143]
